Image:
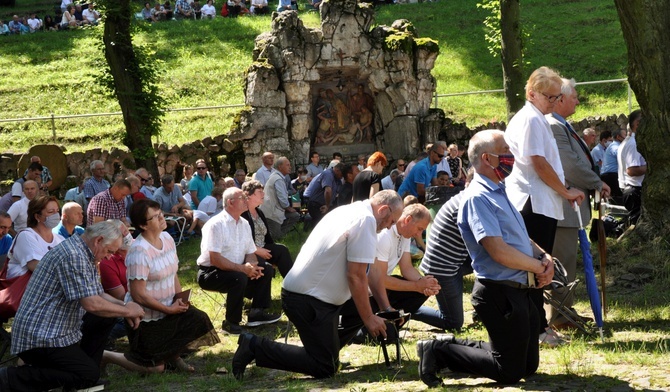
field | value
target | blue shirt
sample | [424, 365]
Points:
[610, 164]
[316, 189]
[5, 243]
[92, 187]
[422, 173]
[60, 229]
[202, 187]
[487, 212]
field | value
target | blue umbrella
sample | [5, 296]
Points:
[589, 275]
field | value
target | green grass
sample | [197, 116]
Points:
[203, 63]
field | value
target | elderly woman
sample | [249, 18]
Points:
[368, 181]
[536, 186]
[170, 326]
[32, 243]
[266, 249]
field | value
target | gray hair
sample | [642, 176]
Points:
[588, 132]
[388, 198]
[229, 194]
[567, 86]
[95, 163]
[280, 162]
[483, 141]
[417, 211]
[109, 230]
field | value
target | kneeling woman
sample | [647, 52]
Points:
[169, 327]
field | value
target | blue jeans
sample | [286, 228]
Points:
[449, 301]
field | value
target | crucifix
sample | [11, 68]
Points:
[340, 54]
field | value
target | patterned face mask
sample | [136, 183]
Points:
[505, 165]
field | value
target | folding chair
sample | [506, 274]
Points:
[561, 281]
[180, 223]
[394, 321]
[212, 299]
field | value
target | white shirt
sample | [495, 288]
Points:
[19, 213]
[390, 247]
[208, 205]
[387, 183]
[34, 23]
[208, 10]
[320, 270]
[222, 234]
[263, 174]
[627, 156]
[28, 246]
[529, 134]
[90, 15]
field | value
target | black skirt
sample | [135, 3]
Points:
[154, 342]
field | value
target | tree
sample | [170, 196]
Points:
[644, 24]
[504, 35]
[132, 79]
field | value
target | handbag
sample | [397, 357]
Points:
[11, 290]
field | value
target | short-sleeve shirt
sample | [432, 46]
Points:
[113, 273]
[208, 205]
[167, 200]
[202, 187]
[529, 134]
[158, 267]
[316, 189]
[313, 170]
[598, 155]
[19, 214]
[487, 212]
[362, 184]
[71, 194]
[609, 159]
[320, 270]
[390, 247]
[92, 187]
[262, 175]
[628, 156]
[50, 313]
[28, 246]
[104, 205]
[17, 187]
[445, 250]
[422, 173]
[222, 234]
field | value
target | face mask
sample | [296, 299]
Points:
[607, 144]
[127, 241]
[505, 165]
[303, 178]
[52, 220]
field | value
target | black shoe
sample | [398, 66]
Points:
[232, 328]
[427, 366]
[260, 317]
[243, 356]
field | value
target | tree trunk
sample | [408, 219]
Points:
[645, 30]
[511, 56]
[124, 64]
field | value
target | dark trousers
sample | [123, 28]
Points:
[316, 322]
[238, 286]
[542, 230]
[281, 258]
[76, 366]
[511, 320]
[409, 301]
[314, 210]
[612, 180]
[632, 200]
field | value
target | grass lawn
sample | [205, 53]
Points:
[203, 63]
[634, 355]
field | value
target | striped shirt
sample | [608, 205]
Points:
[50, 313]
[445, 250]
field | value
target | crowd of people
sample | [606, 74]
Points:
[69, 16]
[502, 216]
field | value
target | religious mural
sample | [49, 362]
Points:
[345, 117]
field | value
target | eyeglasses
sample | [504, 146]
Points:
[243, 197]
[439, 155]
[401, 165]
[201, 168]
[158, 215]
[552, 98]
